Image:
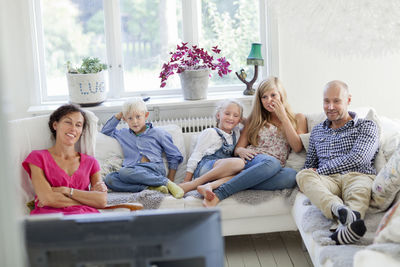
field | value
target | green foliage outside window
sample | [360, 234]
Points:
[74, 29]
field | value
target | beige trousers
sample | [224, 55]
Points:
[352, 189]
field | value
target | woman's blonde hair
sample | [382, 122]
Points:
[259, 116]
[223, 104]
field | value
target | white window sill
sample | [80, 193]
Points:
[154, 103]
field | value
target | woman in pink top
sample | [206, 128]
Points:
[60, 175]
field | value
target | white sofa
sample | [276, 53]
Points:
[248, 212]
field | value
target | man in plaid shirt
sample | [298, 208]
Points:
[338, 173]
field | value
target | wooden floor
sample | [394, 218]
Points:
[266, 250]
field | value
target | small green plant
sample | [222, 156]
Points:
[89, 65]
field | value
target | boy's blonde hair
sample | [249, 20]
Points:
[223, 104]
[259, 116]
[134, 104]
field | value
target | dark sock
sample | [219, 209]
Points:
[348, 234]
[345, 214]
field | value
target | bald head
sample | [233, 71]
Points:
[337, 85]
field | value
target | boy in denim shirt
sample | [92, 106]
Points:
[143, 146]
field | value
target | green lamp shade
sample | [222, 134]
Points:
[255, 57]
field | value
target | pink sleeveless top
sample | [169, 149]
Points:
[56, 176]
[272, 141]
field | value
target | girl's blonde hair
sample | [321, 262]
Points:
[259, 116]
[223, 104]
[134, 104]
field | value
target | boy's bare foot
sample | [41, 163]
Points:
[211, 203]
[206, 191]
[187, 186]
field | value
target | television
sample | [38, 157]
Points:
[150, 238]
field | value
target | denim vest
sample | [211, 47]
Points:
[225, 151]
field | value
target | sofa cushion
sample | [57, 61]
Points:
[249, 203]
[387, 183]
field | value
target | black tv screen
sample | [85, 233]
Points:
[153, 238]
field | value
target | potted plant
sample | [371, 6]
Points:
[193, 64]
[86, 84]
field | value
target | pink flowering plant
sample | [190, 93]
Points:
[194, 58]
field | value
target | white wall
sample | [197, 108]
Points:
[304, 70]
[11, 243]
[17, 61]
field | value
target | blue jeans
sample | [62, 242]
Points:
[263, 172]
[137, 178]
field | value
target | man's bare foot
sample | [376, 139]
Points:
[211, 203]
[206, 191]
[187, 186]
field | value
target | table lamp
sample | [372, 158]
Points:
[254, 58]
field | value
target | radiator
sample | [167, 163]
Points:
[189, 125]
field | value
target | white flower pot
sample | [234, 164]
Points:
[194, 83]
[87, 89]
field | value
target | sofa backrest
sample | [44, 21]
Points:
[27, 135]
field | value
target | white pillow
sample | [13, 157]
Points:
[387, 183]
[296, 160]
[314, 119]
[380, 160]
[305, 140]
[107, 146]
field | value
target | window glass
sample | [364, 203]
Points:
[150, 30]
[73, 29]
[233, 27]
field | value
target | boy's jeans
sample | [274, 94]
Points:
[137, 178]
[263, 172]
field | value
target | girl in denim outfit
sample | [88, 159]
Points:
[212, 158]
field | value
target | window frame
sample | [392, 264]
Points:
[191, 23]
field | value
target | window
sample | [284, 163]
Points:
[134, 37]
[71, 30]
[233, 27]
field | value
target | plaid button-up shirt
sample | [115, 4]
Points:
[351, 148]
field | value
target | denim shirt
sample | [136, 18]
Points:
[351, 148]
[150, 144]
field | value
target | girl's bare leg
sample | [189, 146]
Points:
[222, 168]
[210, 199]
